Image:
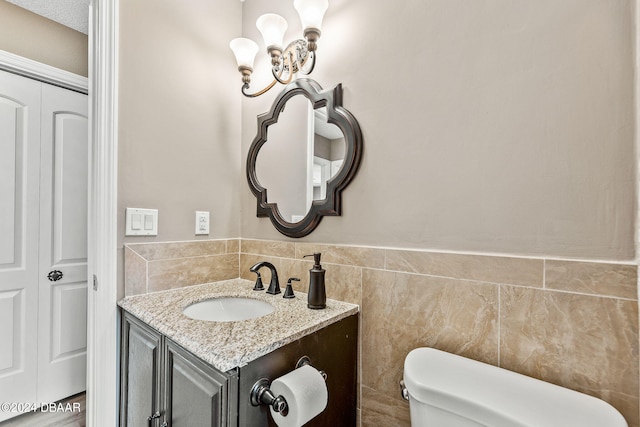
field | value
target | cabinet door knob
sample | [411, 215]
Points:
[153, 417]
[55, 275]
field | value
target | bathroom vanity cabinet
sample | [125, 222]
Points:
[164, 385]
[173, 372]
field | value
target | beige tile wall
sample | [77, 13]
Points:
[151, 267]
[573, 323]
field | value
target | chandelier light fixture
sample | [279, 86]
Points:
[298, 56]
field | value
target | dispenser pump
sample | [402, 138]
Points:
[316, 260]
[317, 297]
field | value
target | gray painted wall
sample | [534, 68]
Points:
[494, 126]
[490, 126]
[179, 117]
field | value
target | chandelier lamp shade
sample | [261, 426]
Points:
[297, 56]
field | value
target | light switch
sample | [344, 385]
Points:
[141, 222]
[136, 221]
[148, 222]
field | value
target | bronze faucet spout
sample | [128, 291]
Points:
[274, 285]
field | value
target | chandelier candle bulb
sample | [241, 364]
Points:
[245, 51]
[311, 14]
[272, 27]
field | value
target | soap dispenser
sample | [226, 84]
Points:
[317, 297]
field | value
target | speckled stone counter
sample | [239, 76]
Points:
[227, 345]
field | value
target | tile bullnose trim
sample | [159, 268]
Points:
[483, 268]
[154, 251]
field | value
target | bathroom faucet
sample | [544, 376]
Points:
[274, 285]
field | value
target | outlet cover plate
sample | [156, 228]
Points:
[202, 223]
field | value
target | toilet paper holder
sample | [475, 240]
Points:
[261, 394]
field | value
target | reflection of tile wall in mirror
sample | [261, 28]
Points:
[328, 153]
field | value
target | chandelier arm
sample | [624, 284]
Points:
[289, 79]
[304, 62]
[260, 92]
[294, 59]
[284, 65]
[278, 76]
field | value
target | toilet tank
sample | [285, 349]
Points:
[449, 390]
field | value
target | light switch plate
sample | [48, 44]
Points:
[202, 223]
[141, 222]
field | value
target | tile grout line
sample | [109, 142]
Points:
[500, 325]
[146, 276]
[360, 340]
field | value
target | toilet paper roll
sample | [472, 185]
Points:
[305, 392]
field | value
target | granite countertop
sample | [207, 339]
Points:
[227, 345]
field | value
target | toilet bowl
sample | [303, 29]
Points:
[446, 390]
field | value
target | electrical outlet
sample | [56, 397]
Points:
[202, 222]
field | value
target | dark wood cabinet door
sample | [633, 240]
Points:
[196, 393]
[141, 375]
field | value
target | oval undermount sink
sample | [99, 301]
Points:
[228, 309]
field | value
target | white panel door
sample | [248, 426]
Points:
[19, 183]
[62, 332]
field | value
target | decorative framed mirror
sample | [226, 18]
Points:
[307, 150]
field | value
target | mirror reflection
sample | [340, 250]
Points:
[302, 153]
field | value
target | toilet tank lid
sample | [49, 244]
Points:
[498, 397]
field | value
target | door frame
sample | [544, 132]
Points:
[102, 312]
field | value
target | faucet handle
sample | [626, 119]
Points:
[288, 293]
[258, 286]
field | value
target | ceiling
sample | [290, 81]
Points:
[70, 13]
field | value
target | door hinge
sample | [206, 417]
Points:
[95, 283]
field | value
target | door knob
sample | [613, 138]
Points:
[55, 275]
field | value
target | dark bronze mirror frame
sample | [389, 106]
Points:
[337, 115]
